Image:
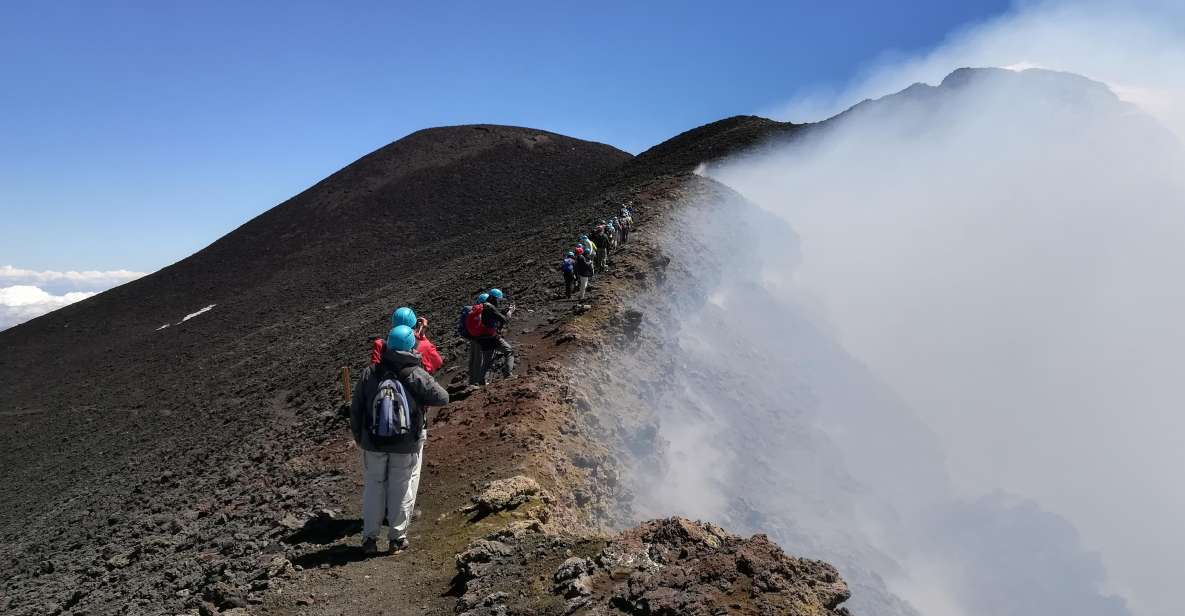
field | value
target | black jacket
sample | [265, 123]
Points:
[492, 317]
[422, 389]
[602, 242]
[584, 267]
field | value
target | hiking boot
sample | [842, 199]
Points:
[370, 546]
[399, 545]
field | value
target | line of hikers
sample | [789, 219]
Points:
[591, 254]
[389, 406]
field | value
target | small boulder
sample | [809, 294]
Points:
[279, 567]
[507, 494]
[573, 578]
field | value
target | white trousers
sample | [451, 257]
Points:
[389, 489]
[583, 285]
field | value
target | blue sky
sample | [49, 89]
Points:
[134, 134]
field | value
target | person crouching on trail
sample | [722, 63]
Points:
[484, 325]
[389, 421]
[428, 353]
[584, 271]
[568, 267]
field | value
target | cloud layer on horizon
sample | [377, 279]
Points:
[105, 279]
[27, 294]
[19, 303]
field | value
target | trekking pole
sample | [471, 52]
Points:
[346, 383]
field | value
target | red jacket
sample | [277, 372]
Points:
[429, 356]
[428, 353]
[376, 354]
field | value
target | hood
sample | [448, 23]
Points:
[398, 360]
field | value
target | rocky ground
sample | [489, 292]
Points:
[207, 468]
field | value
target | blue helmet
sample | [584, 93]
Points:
[403, 316]
[481, 299]
[401, 338]
[583, 237]
[570, 254]
[496, 293]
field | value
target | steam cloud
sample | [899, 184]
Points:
[1135, 46]
[998, 429]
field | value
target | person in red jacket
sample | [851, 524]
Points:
[428, 353]
[429, 356]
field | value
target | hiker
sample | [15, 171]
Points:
[626, 223]
[428, 354]
[590, 249]
[406, 316]
[601, 254]
[474, 346]
[484, 325]
[388, 418]
[584, 271]
[568, 267]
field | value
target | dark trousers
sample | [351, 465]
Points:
[488, 347]
[476, 374]
[569, 284]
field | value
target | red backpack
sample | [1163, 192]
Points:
[473, 325]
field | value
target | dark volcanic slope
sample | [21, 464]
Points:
[430, 190]
[427, 217]
[154, 469]
[127, 450]
[684, 152]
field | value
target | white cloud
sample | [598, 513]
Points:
[27, 293]
[1107, 424]
[87, 278]
[1005, 261]
[19, 303]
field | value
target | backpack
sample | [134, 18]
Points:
[473, 325]
[390, 411]
[569, 266]
[462, 331]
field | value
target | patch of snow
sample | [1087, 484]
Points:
[194, 314]
[188, 316]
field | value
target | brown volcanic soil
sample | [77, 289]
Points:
[205, 466]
